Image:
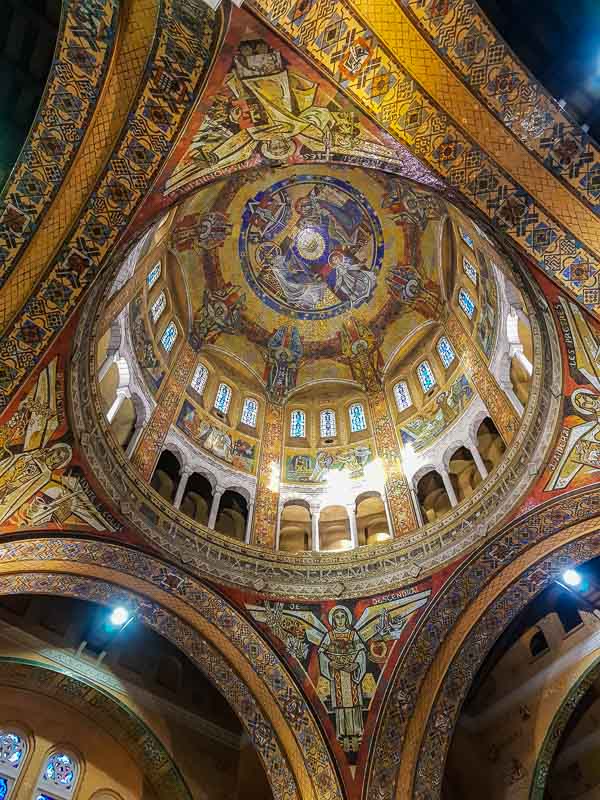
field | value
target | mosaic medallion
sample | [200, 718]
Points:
[311, 247]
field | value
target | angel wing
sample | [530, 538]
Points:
[289, 622]
[389, 618]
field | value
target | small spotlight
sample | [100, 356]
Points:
[119, 616]
[571, 577]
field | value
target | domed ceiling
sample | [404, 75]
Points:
[312, 266]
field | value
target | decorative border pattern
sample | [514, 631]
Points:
[109, 713]
[130, 566]
[463, 36]
[460, 593]
[83, 53]
[557, 728]
[174, 75]
[337, 39]
[353, 573]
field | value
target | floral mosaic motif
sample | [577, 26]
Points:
[311, 247]
[409, 114]
[84, 48]
[172, 79]
[463, 35]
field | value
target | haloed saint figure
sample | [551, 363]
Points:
[343, 661]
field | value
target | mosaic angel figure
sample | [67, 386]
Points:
[346, 651]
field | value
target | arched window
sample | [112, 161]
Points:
[358, 421]
[223, 398]
[297, 424]
[250, 412]
[200, 378]
[158, 306]
[446, 351]
[402, 395]
[470, 270]
[13, 749]
[467, 238]
[58, 778]
[168, 338]
[426, 376]
[466, 303]
[328, 424]
[153, 275]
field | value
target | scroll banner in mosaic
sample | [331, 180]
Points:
[564, 240]
[154, 122]
[84, 48]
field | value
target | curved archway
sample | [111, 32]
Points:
[207, 629]
[424, 707]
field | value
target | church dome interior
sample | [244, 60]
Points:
[299, 400]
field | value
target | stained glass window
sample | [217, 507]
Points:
[297, 424]
[12, 749]
[466, 303]
[4, 787]
[446, 351]
[153, 275]
[168, 338]
[402, 395]
[200, 378]
[250, 412]
[60, 769]
[43, 797]
[358, 421]
[328, 423]
[470, 270]
[158, 306]
[426, 376]
[467, 238]
[223, 398]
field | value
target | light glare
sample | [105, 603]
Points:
[119, 616]
[571, 577]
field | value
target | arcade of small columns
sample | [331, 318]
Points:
[408, 492]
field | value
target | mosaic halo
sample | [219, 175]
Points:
[311, 247]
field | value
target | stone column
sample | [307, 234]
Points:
[500, 409]
[351, 511]
[106, 365]
[137, 432]
[449, 487]
[214, 508]
[183, 481]
[122, 395]
[417, 506]
[248, 532]
[150, 443]
[315, 513]
[478, 460]
[401, 509]
[266, 504]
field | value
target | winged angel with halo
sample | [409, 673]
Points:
[346, 651]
